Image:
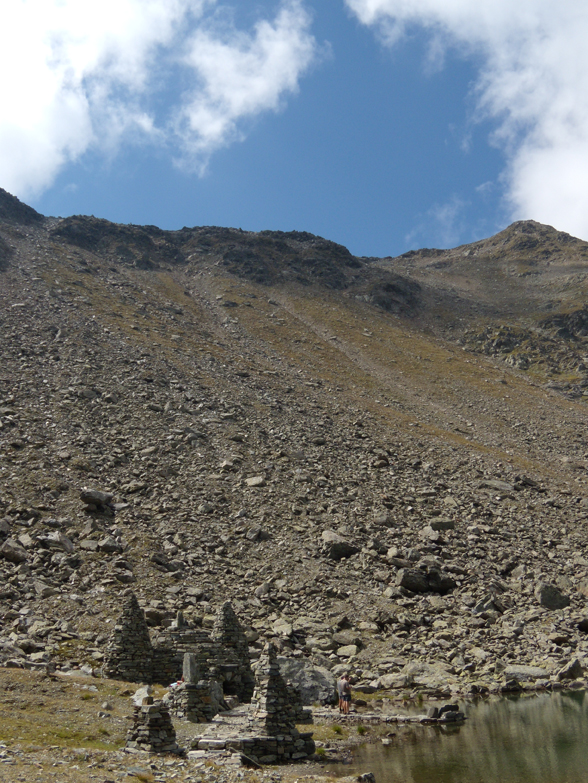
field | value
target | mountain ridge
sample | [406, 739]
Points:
[246, 416]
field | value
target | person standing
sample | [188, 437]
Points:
[341, 682]
[346, 694]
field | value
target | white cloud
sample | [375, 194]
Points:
[86, 74]
[241, 75]
[533, 81]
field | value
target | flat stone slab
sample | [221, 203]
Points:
[519, 672]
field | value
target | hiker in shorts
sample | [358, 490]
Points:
[346, 695]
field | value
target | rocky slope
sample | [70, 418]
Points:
[325, 440]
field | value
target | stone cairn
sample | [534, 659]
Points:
[132, 656]
[171, 644]
[235, 664]
[129, 654]
[152, 730]
[277, 707]
[192, 700]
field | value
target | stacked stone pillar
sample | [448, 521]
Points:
[152, 730]
[277, 706]
[129, 654]
[192, 700]
[235, 666]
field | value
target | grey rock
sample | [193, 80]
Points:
[109, 545]
[413, 580]
[315, 683]
[95, 497]
[11, 550]
[43, 590]
[126, 577]
[571, 671]
[190, 670]
[433, 675]
[348, 651]
[440, 582]
[392, 681]
[57, 540]
[346, 637]
[525, 673]
[262, 590]
[337, 546]
[255, 481]
[551, 597]
[430, 534]
[499, 486]
[442, 524]
[141, 693]
[89, 545]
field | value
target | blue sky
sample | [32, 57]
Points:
[384, 125]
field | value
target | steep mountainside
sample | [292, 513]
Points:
[336, 444]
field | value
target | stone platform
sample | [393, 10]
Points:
[232, 731]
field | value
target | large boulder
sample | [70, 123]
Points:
[551, 597]
[11, 550]
[412, 579]
[95, 497]
[336, 546]
[523, 673]
[419, 581]
[571, 671]
[315, 683]
[429, 675]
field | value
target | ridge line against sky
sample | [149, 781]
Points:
[476, 114]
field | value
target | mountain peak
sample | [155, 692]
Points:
[14, 211]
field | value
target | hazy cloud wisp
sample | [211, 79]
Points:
[533, 81]
[80, 76]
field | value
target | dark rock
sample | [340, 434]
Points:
[11, 550]
[413, 580]
[448, 708]
[95, 497]
[551, 597]
[337, 547]
[571, 671]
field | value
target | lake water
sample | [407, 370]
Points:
[527, 739]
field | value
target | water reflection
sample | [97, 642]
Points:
[540, 738]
